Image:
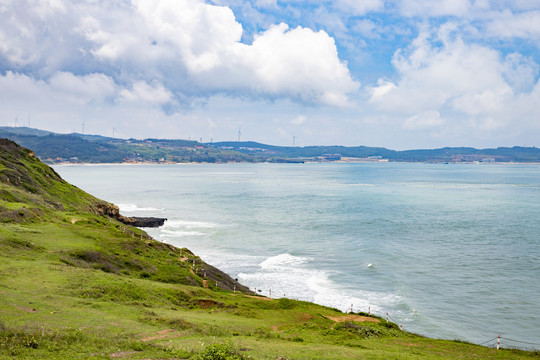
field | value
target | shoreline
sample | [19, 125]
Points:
[217, 261]
[360, 161]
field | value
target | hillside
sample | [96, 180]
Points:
[451, 155]
[76, 283]
[75, 148]
[53, 148]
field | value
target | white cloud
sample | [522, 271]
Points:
[360, 7]
[301, 63]
[366, 28]
[445, 83]
[142, 91]
[266, 3]
[62, 88]
[192, 48]
[383, 87]
[425, 8]
[138, 60]
[520, 72]
[83, 89]
[66, 100]
[507, 24]
[201, 34]
[518, 5]
[299, 120]
[425, 120]
[433, 76]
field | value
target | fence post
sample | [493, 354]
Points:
[386, 317]
[498, 342]
[369, 310]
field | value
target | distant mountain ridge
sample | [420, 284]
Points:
[53, 147]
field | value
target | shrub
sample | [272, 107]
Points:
[219, 352]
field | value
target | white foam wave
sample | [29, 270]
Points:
[282, 261]
[183, 224]
[179, 233]
[329, 294]
[133, 208]
[293, 277]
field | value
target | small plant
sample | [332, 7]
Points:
[285, 304]
[219, 352]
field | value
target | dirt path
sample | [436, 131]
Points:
[358, 318]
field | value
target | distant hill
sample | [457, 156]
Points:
[52, 147]
[75, 148]
[458, 154]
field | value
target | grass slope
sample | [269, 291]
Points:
[75, 284]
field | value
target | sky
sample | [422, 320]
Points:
[403, 74]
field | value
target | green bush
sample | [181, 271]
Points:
[219, 352]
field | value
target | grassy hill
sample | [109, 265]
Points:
[53, 148]
[75, 283]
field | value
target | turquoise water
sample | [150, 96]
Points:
[449, 251]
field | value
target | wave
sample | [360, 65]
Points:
[179, 233]
[183, 224]
[133, 208]
[183, 229]
[286, 275]
[330, 294]
[282, 261]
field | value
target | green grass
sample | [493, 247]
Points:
[76, 285]
[51, 307]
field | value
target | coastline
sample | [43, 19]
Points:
[204, 230]
[359, 161]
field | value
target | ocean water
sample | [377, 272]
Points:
[448, 251]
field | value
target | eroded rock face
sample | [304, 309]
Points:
[113, 211]
[109, 210]
[145, 221]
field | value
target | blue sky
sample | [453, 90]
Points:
[399, 74]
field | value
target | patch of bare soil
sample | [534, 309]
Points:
[276, 327]
[358, 318]
[162, 334]
[207, 303]
[26, 309]
[304, 317]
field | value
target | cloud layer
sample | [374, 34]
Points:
[433, 73]
[186, 48]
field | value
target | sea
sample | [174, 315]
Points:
[446, 251]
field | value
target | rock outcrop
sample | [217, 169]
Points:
[113, 211]
[144, 221]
